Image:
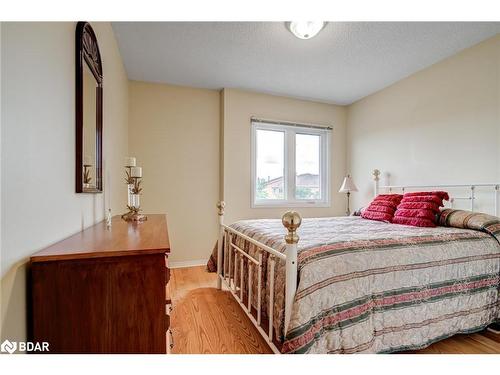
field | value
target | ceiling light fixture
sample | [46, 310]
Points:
[305, 29]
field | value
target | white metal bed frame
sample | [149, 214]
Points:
[472, 187]
[231, 272]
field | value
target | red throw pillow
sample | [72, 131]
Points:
[382, 207]
[413, 221]
[388, 204]
[389, 197]
[423, 198]
[420, 208]
[373, 215]
[441, 194]
[421, 205]
[422, 213]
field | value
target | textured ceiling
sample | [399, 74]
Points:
[342, 64]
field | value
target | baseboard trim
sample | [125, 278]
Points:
[188, 263]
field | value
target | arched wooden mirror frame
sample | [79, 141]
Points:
[87, 55]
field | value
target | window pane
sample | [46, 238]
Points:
[270, 165]
[307, 166]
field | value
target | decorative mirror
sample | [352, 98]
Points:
[88, 111]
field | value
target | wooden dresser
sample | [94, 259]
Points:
[104, 290]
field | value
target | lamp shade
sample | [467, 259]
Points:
[348, 185]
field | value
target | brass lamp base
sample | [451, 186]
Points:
[348, 210]
[134, 215]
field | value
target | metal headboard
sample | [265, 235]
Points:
[495, 190]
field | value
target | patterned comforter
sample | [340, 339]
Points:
[371, 287]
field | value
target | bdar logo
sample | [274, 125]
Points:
[9, 347]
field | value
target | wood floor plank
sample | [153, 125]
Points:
[492, 336]
[207, 320]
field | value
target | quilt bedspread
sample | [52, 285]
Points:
[371, 287]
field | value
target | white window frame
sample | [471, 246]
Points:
[289, 166]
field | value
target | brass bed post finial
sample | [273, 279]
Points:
[291, 220]
[376, 174]
[220, 206]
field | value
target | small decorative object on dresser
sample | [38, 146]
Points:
[133, 180]
[104, 291]
[348, 186]
[108, 218]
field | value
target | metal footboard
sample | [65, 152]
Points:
[231, 261]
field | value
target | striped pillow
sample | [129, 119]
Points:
[470, 220]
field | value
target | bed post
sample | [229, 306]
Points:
[376, 179]
[291, 220]
[220, 208]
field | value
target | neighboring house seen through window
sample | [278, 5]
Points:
[290, 165]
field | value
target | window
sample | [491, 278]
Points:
[289, 165]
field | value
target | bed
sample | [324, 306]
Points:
[351, 285]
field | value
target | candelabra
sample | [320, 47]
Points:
[133, 180]
[86, 176]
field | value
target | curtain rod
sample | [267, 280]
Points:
[289, 123]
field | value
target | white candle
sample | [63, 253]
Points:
[87, 160]
[136, 172]
[130, 161]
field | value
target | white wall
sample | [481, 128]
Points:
[39, 204]
[238, 107]
[174, 134]
[440, 125]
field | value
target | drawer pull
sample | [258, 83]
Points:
[170, 341]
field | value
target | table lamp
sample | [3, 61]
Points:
[348, 186]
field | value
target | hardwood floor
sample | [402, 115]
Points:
[206, 320]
